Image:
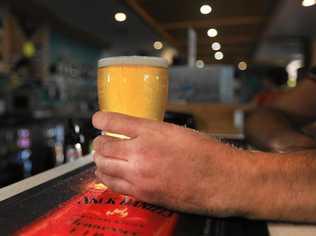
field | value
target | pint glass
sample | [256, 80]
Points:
[135, 86]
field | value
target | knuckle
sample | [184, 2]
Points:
[140, 169]
[140, 150]
[100, 145]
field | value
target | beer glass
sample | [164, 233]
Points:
[135, 86]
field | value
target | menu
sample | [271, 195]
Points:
[101, 212]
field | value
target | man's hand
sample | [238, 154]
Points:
[169, 165]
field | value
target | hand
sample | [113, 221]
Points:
[168, 165]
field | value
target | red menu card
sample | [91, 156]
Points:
[101, 212]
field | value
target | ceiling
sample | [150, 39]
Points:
[290, 31]
[250, 30]
[92, 22]
[240, 24]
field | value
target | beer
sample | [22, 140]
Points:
[136, 86]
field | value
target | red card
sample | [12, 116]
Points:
[101, 212]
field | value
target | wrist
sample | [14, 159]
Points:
[265, 187]
[244, 179]
[232, 188]
[281, 187]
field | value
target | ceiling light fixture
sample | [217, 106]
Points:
[242, 65]
[205, 9]
[216, 46]
[212, 33]
[158, 45]
[120, 17]
[219, 56]
[308, 3]
[200, 64]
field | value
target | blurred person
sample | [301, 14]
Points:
[285, 123]
[184, 170]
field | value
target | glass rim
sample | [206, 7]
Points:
[133, 60]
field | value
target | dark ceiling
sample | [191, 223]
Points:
[92, 21]
[253, 30]
[289, 34]
[240, 24]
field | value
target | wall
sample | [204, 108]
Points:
[72, 82]
[71, 49]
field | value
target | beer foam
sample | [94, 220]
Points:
[133, 60]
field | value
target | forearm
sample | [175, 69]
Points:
[271, 130]
[282, 186]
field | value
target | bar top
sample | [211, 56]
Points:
[26, 201]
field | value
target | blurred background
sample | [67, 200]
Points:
[224, 56]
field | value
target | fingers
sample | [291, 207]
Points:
[112, 167]
[115, 184]
[118, 123]
[111, 147]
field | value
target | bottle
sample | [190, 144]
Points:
[74, 141]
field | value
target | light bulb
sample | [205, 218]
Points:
[212, 33]
[219, 56]
[206, 9]
[120, 17]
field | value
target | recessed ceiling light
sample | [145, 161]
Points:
[308, 3]
[242, 65]
[158, 45]
[205, 9]
[216, 46]
[212, 33]
[120, 16]
[200, 64]
[219, 56]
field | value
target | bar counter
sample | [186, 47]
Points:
[24, 202]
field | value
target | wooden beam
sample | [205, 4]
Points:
[231, 40]
[226, 40]
[233, 60]
[227, 47]
[227, 57]
[229, 21]
[150, 20]
[235, 50]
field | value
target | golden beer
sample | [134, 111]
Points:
[136, 86]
